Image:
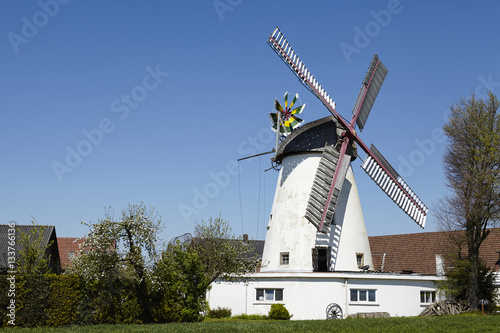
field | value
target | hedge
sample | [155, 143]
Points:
[64, 300]
[61, 300]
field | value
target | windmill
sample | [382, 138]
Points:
[333, 164]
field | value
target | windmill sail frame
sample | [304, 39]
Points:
[322, 194]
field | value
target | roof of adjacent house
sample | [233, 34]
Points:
[417, 252]
[257, 249]
[256, 246]
[68, 246]
[48, 235]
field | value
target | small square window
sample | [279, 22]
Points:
[284, 258]
[362, 295]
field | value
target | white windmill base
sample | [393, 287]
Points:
[293, 244]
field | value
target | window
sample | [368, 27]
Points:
[320, 259]
[427, 297]
[363, 295]
[284, 258]
[273, 295]
[360, 260]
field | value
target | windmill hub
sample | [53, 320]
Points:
[286, 114]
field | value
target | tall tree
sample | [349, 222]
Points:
[222, 254]
[472, 170]
[121, 248]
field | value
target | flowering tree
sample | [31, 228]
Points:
[121, 250]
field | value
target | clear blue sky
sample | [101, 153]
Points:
[116, 102]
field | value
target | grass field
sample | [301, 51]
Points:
[464, 323]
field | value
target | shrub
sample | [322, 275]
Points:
[178, 286]
[279, 312]
[113, 302]
[219, 313]
[250, 317]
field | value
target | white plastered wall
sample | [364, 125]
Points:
[307, 295]
[290, 232]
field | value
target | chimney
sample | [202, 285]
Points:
[439, 265]
[245, 238]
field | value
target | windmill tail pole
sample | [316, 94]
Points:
[278, 128]
[256, 155]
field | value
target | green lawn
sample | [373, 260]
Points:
[464, 323]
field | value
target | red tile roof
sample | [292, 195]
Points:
[68, 246]
[417, 252]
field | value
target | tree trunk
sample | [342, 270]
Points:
[141, 288]
[474, 241]
[473, 284]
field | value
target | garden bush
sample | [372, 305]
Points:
[250, 317]
[113, 302]
[279, 312]
[219, 312]
[178, 287]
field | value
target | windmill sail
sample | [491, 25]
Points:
[369, 90]
[280, 45]
[318, 199]
[394, 186]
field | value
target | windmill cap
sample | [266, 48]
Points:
[312, 137]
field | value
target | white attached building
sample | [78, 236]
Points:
[307, 295]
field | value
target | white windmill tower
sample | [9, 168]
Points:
[316, 182]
